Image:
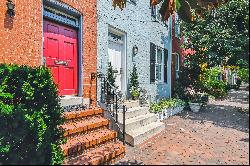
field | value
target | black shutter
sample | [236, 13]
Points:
[165, 65]
[152, 63]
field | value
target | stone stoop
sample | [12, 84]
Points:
[140, 124]
[89, 140]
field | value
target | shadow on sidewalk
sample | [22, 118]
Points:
[220, 115]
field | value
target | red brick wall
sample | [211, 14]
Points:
[176, 48]
[21, 36]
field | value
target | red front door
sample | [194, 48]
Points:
[60, 51]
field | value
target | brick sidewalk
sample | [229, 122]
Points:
[218, 136]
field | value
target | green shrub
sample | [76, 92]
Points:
[211, 84]
[29, 116]
[134, 84]
[134, 78]
[111, 75]
[243, 74]
[180, 91]
[165, 104]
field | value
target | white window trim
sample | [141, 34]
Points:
[162, 65]
[177, 68]
[157, 16]
[177, 26]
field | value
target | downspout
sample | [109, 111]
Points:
[170, 57]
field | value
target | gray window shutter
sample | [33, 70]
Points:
[152, 63]
[165, 65]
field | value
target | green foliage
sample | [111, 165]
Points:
[165, 104]
[29, 117]
[180, 92]
[154, 108]
[134, 83]
[134, 78]
[110, 75]
[219, 39]
[134, 92]
[243, 74]
[211, 84]
[222, 37]
[242, 63]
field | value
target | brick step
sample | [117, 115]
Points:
[82, 114]
[81, 143]
[84, 125]
[108, 153]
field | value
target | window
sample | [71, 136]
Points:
[177, 65]
[60, 16]
[155, 13]
[158, 64]
[177, 27]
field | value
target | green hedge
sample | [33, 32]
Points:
[29, 116]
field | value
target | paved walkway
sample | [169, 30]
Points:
[219, 134]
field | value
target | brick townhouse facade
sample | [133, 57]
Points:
[61, 34]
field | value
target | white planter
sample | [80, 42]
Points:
[195, 107]
[167, 112]
[161, 115]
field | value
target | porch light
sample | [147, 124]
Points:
[135, 50]
[11, 8]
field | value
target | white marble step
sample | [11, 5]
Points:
[137, 136]
[132, 103]
[133, 112]
[139, 121]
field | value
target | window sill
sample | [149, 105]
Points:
[160, 83]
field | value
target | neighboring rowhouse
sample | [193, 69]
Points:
[135, 35]
[59, 34]
[177, 55]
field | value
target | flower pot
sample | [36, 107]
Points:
[160, 115]
[178, 109]
[135, 97]
[195, 107]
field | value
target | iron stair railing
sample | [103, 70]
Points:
[112, 99]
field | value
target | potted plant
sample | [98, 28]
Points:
[197, 101]
[135, 93]
[134, 84]
[111, 79]
[157, 109]
[167, 107]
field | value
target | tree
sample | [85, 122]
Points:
[184, 8]
[222, 37]
[134, 78]
[110, 75]
[134, 84]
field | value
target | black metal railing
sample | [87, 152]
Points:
[112, 99]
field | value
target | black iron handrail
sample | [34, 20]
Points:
[111, 97]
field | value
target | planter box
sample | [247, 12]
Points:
[195, 107]
[165, 113]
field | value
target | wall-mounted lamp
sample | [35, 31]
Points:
[11, 8]
[135, 50]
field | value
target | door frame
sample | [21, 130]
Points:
[123, 35]
[72, 13]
